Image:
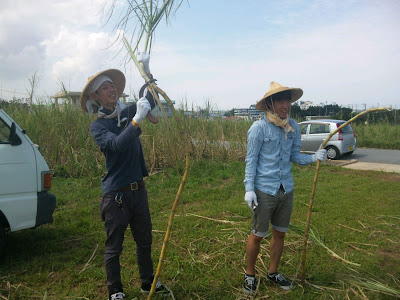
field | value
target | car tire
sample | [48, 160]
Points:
[2, 240]
[332, 152]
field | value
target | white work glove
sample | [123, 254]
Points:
[250, 198]
[319, 155]
[142, 108]
[144, 58]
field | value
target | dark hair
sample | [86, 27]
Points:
[284, 95]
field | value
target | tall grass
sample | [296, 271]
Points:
[379, 135]
[63, 134]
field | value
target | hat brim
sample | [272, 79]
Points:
[116, 76]
[296, 95]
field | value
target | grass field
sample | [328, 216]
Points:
[356, 214]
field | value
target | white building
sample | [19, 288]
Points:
[304, 105]
[250, 113]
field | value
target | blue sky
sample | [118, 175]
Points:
[224, 52]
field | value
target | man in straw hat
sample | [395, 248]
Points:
[272, 144]
[124, 201]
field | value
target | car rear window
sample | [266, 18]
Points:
[346, 129]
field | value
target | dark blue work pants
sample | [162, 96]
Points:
[133, 210]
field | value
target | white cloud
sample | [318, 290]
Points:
[335, 51]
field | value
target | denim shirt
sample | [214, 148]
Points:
[269, 157]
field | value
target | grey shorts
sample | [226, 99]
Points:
[277, 209]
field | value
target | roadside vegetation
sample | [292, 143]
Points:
[64, 138]
[353, 252]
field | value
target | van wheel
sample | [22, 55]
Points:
[332, 152]
[2, 240]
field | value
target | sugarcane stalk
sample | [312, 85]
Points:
[178, 194]
[304, 254]
[153, 89]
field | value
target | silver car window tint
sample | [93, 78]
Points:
[319, 128]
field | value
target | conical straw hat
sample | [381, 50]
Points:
[275, 88]
[116, 76]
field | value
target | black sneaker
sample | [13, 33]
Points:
[249, 284]
[146, 287]
[280, 280]
[117, 296]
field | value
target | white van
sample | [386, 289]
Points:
[25, 180]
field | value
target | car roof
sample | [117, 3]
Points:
[323, 121]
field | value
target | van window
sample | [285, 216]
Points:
[4, 132]
[319, 128]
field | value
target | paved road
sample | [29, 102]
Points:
[371, 159]
[369, 155]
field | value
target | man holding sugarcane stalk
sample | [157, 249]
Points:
[124, 201]
[273, 143]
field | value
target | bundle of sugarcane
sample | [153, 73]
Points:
[148, 14]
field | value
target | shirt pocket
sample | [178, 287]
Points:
[270, 144]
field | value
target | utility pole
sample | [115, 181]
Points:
[326, 108]
[365, 106]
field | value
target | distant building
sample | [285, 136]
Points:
[250, 113]
[309, 118]
[157, 110]
[304, 105]
[74, 97]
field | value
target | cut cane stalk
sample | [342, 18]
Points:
[154, 88]
[148, 22]
[304, 254]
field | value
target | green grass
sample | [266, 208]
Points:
[356, 214]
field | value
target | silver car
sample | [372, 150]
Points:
[314, 132]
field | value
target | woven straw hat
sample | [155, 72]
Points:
[275, 88]
[116, 76]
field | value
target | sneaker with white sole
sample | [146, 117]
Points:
[280, 280]
[146, 287]
[249, 284]
[117, 296]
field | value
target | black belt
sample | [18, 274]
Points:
[133, 186]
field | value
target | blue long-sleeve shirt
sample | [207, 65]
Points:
[122, 149]
[269, 157]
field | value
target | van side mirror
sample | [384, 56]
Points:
[14, 138]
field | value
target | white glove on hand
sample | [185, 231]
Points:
[142, 108]
[144, 58]
[250, 198]
[319, 155]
